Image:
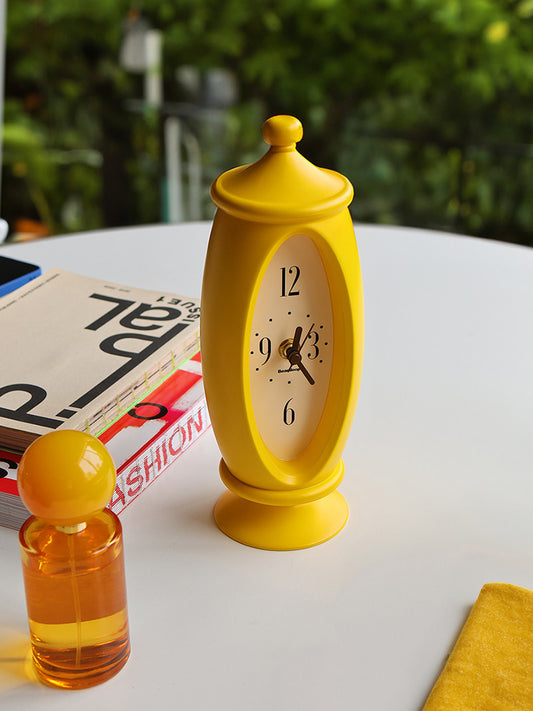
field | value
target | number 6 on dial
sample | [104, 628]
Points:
[282, 344]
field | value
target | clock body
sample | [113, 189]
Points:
[282, 333]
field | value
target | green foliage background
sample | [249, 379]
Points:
[424, 104]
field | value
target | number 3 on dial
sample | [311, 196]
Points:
[291, 347]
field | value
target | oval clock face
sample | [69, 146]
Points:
[291, 348]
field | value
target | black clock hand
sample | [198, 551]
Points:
[295, 345]
[292, 351]
[296, 340]
[295, 358]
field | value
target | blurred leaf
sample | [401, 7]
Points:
[497, 31]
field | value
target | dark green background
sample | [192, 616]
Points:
[425, 105]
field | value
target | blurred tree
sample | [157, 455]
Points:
[62, 78]
[424, 104]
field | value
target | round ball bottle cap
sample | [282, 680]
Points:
[64, 477]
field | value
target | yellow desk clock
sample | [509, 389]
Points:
[282, 332]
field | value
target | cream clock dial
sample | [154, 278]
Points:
[291, 348]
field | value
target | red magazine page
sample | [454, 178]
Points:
[143, 442]
[152, 435]
[8, 472]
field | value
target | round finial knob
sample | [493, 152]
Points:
[66, 476]
[282, 131]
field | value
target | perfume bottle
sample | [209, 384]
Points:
[72, 560]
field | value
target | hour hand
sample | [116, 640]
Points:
[296, 339]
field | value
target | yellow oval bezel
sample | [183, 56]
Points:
[238, 256]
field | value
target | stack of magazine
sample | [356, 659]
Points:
[118, 362]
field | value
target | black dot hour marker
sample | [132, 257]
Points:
[256, 334]
[257, 369]
[270, 320]
[270, 380]
[321, 326]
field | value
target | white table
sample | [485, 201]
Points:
[439, 481]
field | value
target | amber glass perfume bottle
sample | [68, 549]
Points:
[73, 562]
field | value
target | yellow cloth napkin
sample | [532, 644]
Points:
[491, 665]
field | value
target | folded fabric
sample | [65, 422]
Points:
[491, 665]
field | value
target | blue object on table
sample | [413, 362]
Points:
[14, 273]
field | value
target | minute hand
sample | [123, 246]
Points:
[295, 358]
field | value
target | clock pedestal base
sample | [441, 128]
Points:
[281, 528]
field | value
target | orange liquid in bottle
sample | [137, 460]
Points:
[76, 599]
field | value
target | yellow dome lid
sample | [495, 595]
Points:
[282, 186]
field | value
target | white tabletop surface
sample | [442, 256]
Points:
[439, 479]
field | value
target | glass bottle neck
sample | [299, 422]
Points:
[75, 528]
